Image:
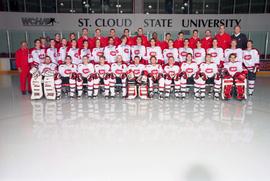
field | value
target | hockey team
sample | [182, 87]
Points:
[135, 67]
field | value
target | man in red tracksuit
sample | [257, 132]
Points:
[223, 38]
[23, 67]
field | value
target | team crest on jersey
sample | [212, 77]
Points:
[76, 55]
[198, 54]
[55, 54]
[209, 70]
[247, 57]
[99, 53]
[183, 54]
[41, 56]
[233, 69]
[67, 71]
[118, 71]
[152, 54]
[136, 72]
[46, 69]
[154, 72]
[126, 50]
[169, 55]
[85, 71]
[214, 54]
[101, 71]
[189, 70]
[137, 52]
[113, 53]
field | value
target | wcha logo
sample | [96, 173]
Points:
[28, 21]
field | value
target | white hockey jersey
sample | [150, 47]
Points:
[86, 69]
[96, 53]
[138, 50]
[136, 69]
[118, 69]
[62, 53]
[154, 69]
[102, 70]
[153, 51]
[74, 53]
[43, 68]
[237, 51]
[183, 53]
[53, 54]
[233, 67]
[110, 53]
[125, 51]
[37, 56]
[85, 51]
[189, 68]
[66, 70]
[172, 70]
[210, 69]
[216, 54]
[199, 55]
[170, 52]
[251, 58]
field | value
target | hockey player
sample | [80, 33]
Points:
[118, 76]
[137, 79]
[139, 50]
[47, 66]
[154, 51]
[62, 52]
[97, 52]
[102, 76]
[251, 61]
[52, 52]
[155, 75]
[124, 50]
[172, 75]
[234, 49]
[74, 53]
[216, 54]
[199, 53]
[234, 74]
[37, 55]
[67, 77]
[188, 70]
[170, 52]
[85, 77]
[184, 51]
[209, 75]
[110, 51]
[194, 39]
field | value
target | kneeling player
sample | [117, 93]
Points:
[209, 74]
[188, 70]
[171, 75]
[251, 61]
[118, 76]
[102, 76]
[66, 77]
[155, 73]
[137, 79]
[85, 77]
[234, 74]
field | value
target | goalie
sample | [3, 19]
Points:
[137, 80]
[234, 74]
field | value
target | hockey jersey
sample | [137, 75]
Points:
[199, 55]
[209, 69]
[251, 59]
[189, 68]
[170, 52]
[66, 70]
[183, 53]
[110, 53]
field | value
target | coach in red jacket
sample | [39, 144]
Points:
[223, 38]
[23, 67]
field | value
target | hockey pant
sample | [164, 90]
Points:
[65, 81]
[88, 83]
[119, 81]
[160, 83]
[168, 83]
[101, 81]
[183, 84]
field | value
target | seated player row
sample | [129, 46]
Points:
[128, 53]
[142, 80]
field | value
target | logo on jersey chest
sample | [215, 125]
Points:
[118, 71]
[85, 71]
[126, 50]
[209, 70]
[189, 70]
[137, 72]
[41, 56]
[101, 71]
[169, 54]
[113, 53]
[154, 71]
[214, 54]
[183, 54]
[99, 53]
[136, 52]
[76, 55]
[67, 71]
[198, 54]
[152, 54]
[247, 57]
[233, 69]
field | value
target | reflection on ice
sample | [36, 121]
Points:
[143, 120]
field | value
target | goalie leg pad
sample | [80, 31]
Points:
[227, 87]
[36, 85]
[49, 87]
[131, 91]
[143, 91]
